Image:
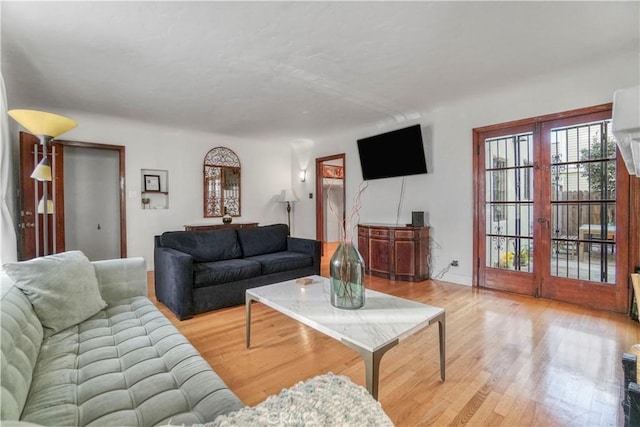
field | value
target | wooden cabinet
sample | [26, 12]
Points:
[207, 227]
[395, 252]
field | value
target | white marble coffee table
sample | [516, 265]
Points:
[371, 330]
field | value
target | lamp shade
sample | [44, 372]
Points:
[48, 205]
[625, 122]
[42, 172]
[42, 123]
[287, 196]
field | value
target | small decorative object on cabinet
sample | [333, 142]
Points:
[226, 219]
[395, 252]
[155, 186]
[346, 269]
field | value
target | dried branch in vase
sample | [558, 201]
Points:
[347, 227]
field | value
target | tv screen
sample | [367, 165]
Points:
[396, 153]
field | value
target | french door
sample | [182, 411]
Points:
[552, 209]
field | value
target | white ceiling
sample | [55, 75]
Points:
[289, 70]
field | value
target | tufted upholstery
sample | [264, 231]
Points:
[20, 343]
[126, 365]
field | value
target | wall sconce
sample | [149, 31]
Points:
[303, 175]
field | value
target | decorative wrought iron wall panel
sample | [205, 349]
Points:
[222, 184]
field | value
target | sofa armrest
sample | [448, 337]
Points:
[174, 280]
[306, 246]
[121, 278]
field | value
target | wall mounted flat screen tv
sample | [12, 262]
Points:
[396, 153]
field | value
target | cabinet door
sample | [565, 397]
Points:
[363, 247]
[405, 252]
[379, 250]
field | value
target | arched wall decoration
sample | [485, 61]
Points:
[221, 172]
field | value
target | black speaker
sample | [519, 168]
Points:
[417, 219]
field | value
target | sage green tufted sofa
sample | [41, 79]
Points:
[127, 365]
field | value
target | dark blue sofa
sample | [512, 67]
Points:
[199, 271]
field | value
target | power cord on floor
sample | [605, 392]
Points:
[442, 272]
[433, 244]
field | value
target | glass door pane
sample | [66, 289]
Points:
[509, 202]
[583, 200]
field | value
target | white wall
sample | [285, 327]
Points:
[446, 192]
[334, 204]
[266, 170]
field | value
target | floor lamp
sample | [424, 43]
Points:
[45, 126]
[286, 196]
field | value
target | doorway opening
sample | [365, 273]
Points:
[330, 200]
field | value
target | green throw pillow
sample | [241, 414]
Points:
[62, 288]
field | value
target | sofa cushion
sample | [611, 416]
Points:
[216, 273]
[63, 288]
[263, 240]
[282, 261]
[204, 246]
[127, 365]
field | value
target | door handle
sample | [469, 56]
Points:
[543, 221]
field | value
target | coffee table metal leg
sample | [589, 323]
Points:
[372, 364]
[247, 320]
[442, 335]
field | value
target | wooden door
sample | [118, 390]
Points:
[31, 242]
[506, 217]
[552, 209]
[585, 237]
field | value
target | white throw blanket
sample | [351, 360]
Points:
[325, 400]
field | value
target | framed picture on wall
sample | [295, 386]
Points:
[152, 183]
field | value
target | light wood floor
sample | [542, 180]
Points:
[511, 360]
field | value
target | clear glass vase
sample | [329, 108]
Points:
[347, 277]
